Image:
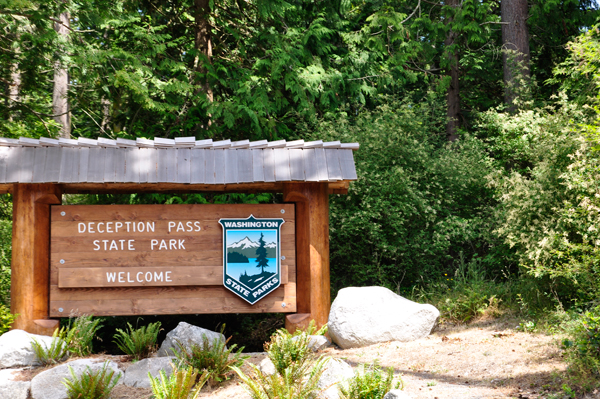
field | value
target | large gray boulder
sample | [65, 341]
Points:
[16, 349]
[396, 394]
[49, 384]
[336, 372]
[11, 389]
[136, 375]
[187, 335]
[362, 316]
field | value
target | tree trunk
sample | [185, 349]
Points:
[515, 45]
[203, 43]
[60, 100]
[14, 90]
[453, 94]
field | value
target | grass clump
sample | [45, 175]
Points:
[91, 384]
[138, 343]
[370, 382]
[213, 358]
[180, 385]
[297, 371]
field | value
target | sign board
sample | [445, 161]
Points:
[172, 259]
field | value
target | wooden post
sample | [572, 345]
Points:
[31, 256]
[313, 294]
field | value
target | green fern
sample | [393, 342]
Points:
[138, 343]
[369, 383]
[80, 335]
[55, 352]
[91, 384]
[180, 385]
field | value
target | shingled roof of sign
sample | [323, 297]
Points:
[181, 160]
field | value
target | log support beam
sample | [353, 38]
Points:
[31, 256]
[312, 253]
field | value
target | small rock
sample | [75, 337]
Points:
[336, 372]
[136, 375]
[11, 389]
[396, 394]
[318, 342]
[16, 349]
[49, 384]
[187, 335]
[362, 316]
[267, 367]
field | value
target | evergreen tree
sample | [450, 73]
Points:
[261, 254]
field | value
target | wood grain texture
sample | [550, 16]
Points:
[90, 241]
[30, 253]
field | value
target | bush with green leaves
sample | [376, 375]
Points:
[582, 351]
[6, 319]
[138, 343]
[297, 369]
[183, 383]
[214, 358]
[5, 259]
[91, 384]
[81, 333]
[369, 382]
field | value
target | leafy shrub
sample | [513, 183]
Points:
[297, 371]
[582, 351]
[91, 384]
[56, 351]
[213, 358]
[368, 383]
[5, 259]
[138, 343]
[179, 385]
[81, 334]
[6, 319]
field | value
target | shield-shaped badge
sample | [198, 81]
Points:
[251, 256]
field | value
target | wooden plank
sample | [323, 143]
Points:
[334, 171]
[96, 165]
[171, 164]
[219, 166]
[244, 164]
[231, 166]
[12, 164]
[3, 162]
[347, 165]
[53, 161]
[26, 164]
[209, 173]
[258, 172]
[310, 165]
[321, 164]
[119, 277]
[144, 163]
[109, 164]
[269, 164]
[183, 165]
[132, 165]
[120, 163]
[131, 188]
[197, 166]
[69, 165]
[84, 161]
[153, 170]
[296, 164]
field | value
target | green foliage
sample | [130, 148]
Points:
[297, 371]
[211, 358]
[54, 353]
[370, 382]
[138, 343]
[81, 334]
[6, 319]
[582, 351]
[91, 384]
[409, 214]
[5, 260]
[181, 384]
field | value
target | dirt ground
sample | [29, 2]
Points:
[483, 360]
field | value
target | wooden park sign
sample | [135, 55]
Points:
[170, 259]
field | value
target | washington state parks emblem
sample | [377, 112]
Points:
[251, 256]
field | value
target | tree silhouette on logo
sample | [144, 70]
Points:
[261, 254]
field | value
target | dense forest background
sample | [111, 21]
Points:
[478, 122]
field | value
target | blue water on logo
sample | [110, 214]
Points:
[236, 269]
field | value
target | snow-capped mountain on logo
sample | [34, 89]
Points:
[247, 247]
[244, 243]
